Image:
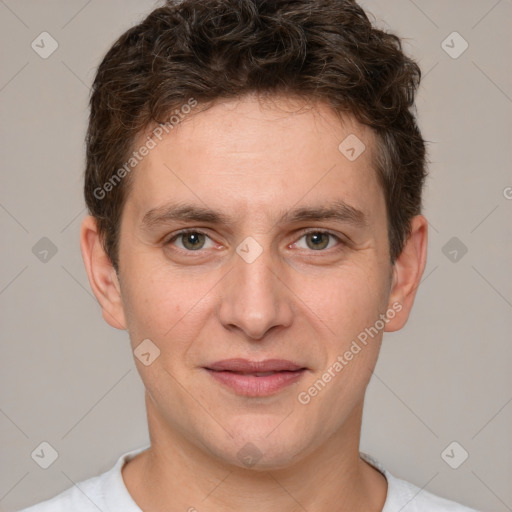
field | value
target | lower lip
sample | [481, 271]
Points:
[251, 385]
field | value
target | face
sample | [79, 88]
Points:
[285, 257]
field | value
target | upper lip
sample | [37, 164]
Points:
[246, 366]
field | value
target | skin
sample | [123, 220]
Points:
[254, 160]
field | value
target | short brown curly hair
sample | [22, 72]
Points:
[208, 50]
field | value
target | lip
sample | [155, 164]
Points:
[241, 375]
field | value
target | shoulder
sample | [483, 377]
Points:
[105, 492]
[404, 496]
[82, 497]
[407, 497]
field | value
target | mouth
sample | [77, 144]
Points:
[255, 378]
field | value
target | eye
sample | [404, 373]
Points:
[318, 240]
[191, 240]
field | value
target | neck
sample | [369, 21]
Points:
[177, 475]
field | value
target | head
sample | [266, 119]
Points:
[281, 136]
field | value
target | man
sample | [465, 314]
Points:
[254, 177]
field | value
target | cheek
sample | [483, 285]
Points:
[347, 301]
[168, 308]
[350, 307]
[145, 301]
[355, 308]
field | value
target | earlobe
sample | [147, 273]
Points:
[102, 276]
[407, 272]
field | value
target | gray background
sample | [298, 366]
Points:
[68, 378]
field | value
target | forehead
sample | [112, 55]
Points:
[255, 155]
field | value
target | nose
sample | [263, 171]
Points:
[255, 298]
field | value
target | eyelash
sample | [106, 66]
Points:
[198, 231]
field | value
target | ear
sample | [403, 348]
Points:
[407, 272]
[102, 275]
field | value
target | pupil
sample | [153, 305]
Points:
[317, 237]
[192, 240]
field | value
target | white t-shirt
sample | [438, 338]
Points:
[108, 493]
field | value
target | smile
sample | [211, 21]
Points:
[255, 378]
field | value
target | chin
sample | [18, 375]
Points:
[256, 451]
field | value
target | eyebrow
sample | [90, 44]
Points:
[338, 210]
